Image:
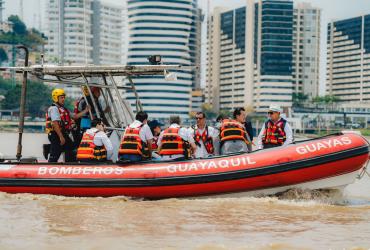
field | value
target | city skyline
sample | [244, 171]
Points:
[331, 10]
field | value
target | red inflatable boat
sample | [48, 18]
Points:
[329, 162]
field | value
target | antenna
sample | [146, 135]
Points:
[1, 10]
[21, 9]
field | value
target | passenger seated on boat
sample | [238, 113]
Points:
[136, 142]
[233, 136]
[155, 127]
[205, 137]
[276, 130]
[58, 127]
[176, 142]
[84, 123]
[95, 144]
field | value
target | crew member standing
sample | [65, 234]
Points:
[84, 122]
[205, 137]
[58, 127]
[276, 130]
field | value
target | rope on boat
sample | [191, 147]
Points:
[363, 172]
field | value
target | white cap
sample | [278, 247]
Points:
[275, 108]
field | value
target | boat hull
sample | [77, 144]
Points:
[309, 165]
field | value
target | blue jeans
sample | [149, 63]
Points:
[132, 158]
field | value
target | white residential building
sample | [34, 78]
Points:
[348, 60]
[250, 55]
[84, 32]
[306, 49]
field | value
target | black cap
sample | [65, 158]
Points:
[154, 124]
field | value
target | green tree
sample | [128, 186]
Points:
[299, 99]
[226, 113]
[3, 56]
[327, 99]
[19, 27]
[20, 35]
[207, 109]
[38, 98]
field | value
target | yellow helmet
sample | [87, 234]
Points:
[56, 93]
[86, 91]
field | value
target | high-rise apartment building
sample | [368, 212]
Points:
[250, 55]
[109, 22]
[348, 59]
[84, 32]
[169, 29]
[69, 31]
[306, 49]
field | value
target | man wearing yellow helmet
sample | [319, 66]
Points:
[58, 127]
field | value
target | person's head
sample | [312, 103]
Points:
[155, 127]
[274, 112]
[58, 96]
[175, 119]
[94, 90]
[98, 123]
[239, 115]
[201, 119]
[220, 118]
[141, 116]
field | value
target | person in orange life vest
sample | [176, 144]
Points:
[176, 141]
[58, 127]
[234, 138]
[95, 144]
[205, 137]
[155, 127]
[84, 122]
[136, 142]
[276, 131]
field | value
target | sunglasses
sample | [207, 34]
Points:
[270, 113]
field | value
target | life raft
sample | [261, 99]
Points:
[329, 162]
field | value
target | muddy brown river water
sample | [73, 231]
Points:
[293, 220]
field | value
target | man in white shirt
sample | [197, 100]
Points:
[175, 148]
[276, 130]
[131, 151]
[205, 137]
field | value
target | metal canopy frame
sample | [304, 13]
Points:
[121, 114]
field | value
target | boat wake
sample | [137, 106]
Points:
[322, 196]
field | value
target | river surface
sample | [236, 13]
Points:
[293, 220]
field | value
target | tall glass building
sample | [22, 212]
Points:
[262, 53]
[168, 28]
[348, 59]
[250, 56]
[274, 54]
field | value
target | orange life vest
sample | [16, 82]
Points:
[173, 144]
[131, 143]
[88, 151]
[233, 130]
[207, 140]
[65, 120]
[274, 133]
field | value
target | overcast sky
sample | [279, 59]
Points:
[33, 14]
